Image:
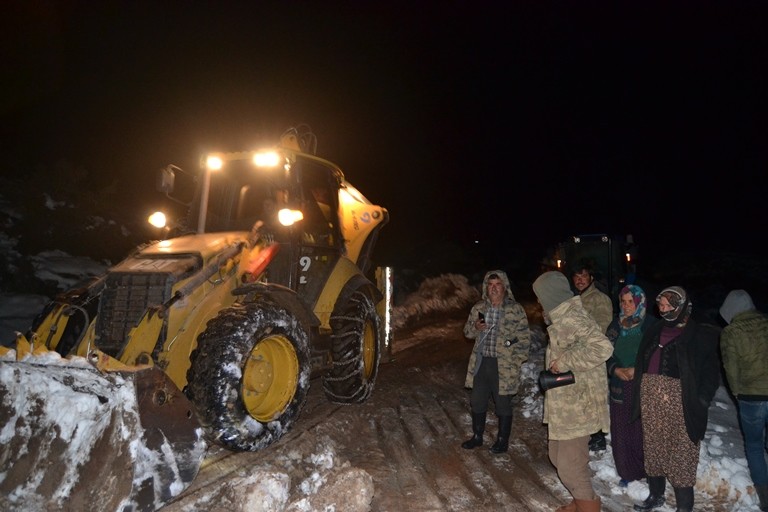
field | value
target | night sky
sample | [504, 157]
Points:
[515, 126]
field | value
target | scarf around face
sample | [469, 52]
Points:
[678, 299]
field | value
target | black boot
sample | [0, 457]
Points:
[656, 486]
[762, 495]
[478, 427]
[597, 442]
[502, 439]
[684, 499]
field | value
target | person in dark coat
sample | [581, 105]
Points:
[677, 372]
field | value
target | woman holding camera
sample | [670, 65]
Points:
[573, 412]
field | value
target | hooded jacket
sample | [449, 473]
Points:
[513, 337]
[744, 347]
[578, 345]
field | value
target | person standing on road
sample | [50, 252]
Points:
[597, 303]
[625, 332]
[744, 348]
[573, 412]
[499, 326]
[677, 372]
[600, 306]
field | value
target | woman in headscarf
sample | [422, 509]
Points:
[625, 332]
[677, 372]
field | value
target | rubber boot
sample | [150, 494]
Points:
[684, 499]
[588, 505]
[656, 486]
[502, 438]
[478, 427]
[762, 495]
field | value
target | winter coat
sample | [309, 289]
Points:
[695, 353]
[599, 305]
[578, 345]
[615, 384]
[744, 347]
[513, 338]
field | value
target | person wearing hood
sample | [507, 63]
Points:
[573, 412]
[499, 326]
[744, 348]
[677, 372]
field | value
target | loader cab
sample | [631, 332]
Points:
[293, 201]
[239, 197]
[233, 193]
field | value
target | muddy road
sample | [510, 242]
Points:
[400, 451]
[407, 437]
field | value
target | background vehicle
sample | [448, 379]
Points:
[613, 260]
[210, 335]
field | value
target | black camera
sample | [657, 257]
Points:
[549, 380]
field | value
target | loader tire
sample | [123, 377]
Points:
[249, 376]
[356, 350]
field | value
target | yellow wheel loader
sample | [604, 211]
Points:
[210, 335]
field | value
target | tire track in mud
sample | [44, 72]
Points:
[440, 465]
[496, 480]
[424, 424]
[409, 472]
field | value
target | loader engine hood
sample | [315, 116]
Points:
[153, 275]
[204, 246]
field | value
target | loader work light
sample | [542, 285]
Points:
[266, 159]
[214, 163]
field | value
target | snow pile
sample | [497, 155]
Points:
[64, 270]
[436, 295]
[309, 470]
[64, 413]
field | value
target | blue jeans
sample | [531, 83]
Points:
[754, 423]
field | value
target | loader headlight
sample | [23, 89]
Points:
[288, 217]
[158, 220]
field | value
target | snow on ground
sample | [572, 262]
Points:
[722, 468]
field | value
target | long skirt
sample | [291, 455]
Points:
[626, 437]
[667, 448]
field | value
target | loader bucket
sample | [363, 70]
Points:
[74, 438]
